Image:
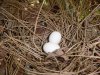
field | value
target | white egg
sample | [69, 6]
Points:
[55, 37]
[50, 47]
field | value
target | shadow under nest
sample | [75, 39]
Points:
[22, 45]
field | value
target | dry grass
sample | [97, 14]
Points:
[25, 29]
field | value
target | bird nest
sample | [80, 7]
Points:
[22, 41]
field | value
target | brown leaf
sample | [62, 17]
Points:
[2, 68]
[1, 29]
[59, 52]
[1, 61]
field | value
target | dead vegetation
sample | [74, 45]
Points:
[24, 29]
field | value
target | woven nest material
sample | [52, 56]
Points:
[22, 41]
